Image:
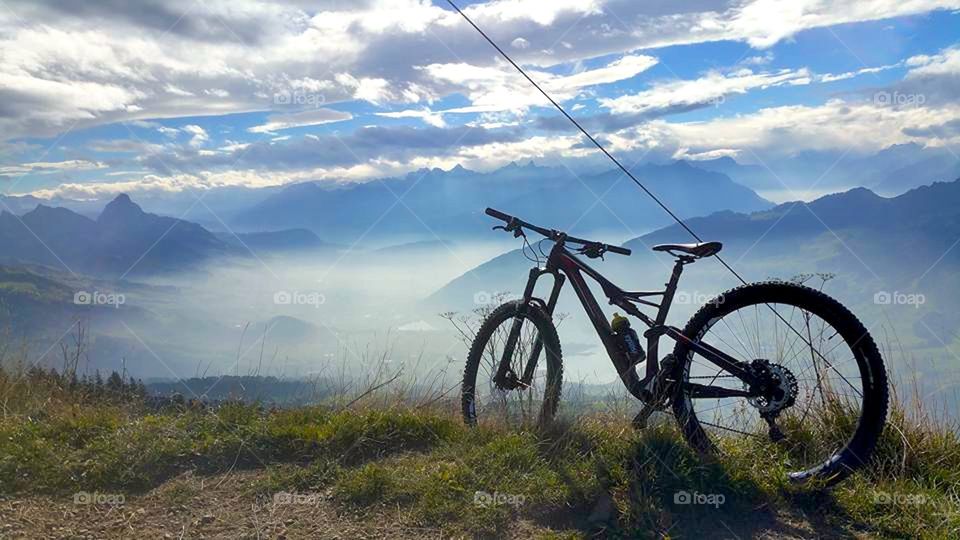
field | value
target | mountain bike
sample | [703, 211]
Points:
[776, 361]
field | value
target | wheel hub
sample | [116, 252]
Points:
[776, 385]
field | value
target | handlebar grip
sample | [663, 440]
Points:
[620, 250]
[498, 214]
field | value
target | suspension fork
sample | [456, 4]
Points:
[528, 370]
[505, 376]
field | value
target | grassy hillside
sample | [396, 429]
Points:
[94, 457]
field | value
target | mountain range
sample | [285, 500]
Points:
[122, 240]
[426, 205]
[432, 203]
[897, 239]
[889, 172]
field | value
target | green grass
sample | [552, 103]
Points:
[577, 477]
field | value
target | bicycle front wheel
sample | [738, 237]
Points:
[822, 391]
[482, 399]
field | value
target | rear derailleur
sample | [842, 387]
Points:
[776, 391]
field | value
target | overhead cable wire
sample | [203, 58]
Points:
[631, 176]
[592, 139]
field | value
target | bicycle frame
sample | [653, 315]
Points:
[563, 265]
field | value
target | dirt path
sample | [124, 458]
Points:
[223, 507]
[198, 507]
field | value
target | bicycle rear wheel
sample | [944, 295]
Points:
[482, 399]
[824, 399]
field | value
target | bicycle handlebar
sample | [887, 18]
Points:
[513, 223]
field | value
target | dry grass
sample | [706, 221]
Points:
[378, 447]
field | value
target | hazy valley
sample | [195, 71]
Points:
[317, 280]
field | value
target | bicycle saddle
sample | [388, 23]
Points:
[698, 249]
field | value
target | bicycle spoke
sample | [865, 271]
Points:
[519, 404]
[815, 361]
[734, 430]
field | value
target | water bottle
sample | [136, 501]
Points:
[629, 341]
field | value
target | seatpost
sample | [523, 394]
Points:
[654, 333]
[671, 288]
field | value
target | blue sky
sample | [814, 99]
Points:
[173, 96]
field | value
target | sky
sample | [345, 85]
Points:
[164, 96]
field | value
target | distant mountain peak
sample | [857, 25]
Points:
[860, 190]
[515, 165]
[121, 209]
[43, 211]
[852, 194]
[723, 160]
[902, 146]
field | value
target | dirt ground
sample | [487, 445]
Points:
[223, 507]
[198, 507]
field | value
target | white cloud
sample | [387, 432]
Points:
[376, 90]
[851, 74]
[520, 43]
[429, 117]
[199, 135]
[501, 88]
[947, 62]
[537, 11]
[863, 127]
[226, 57]
[479, 157]
[173, 184]
[278, 122]
[49, 167]
[124, 61]
[621, 69]
[712, 88]
[762, 23]
[684, 153]
[759, 60]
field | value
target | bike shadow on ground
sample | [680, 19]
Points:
[658, 487]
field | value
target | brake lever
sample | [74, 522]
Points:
[592, 251]
[517, 231]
